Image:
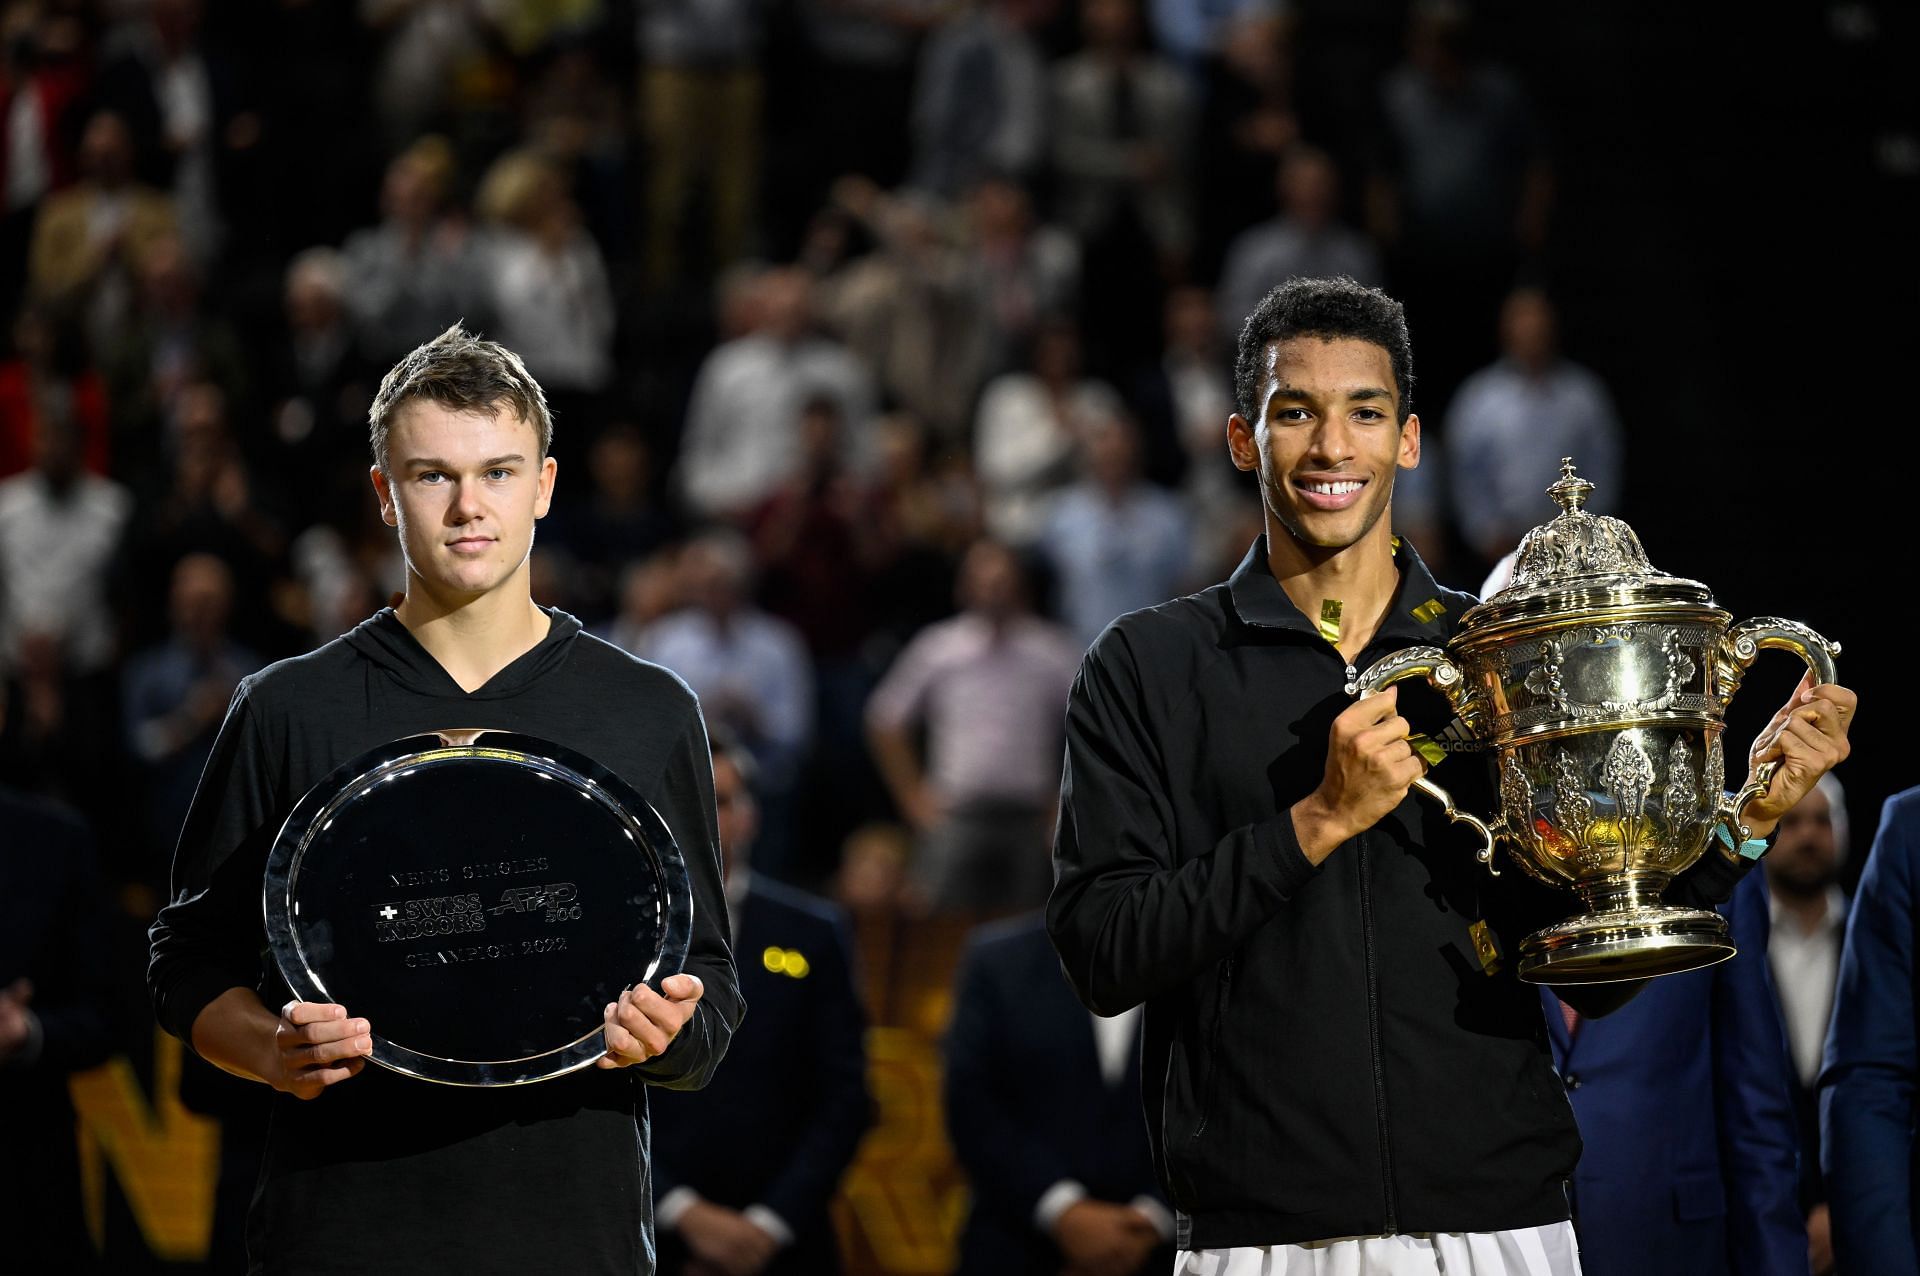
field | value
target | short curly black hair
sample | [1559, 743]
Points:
[1328, 309]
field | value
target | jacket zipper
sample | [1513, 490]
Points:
[1373, 1034]
[1213, 1047]
[1373, 1019]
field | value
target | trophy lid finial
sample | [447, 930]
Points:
[1570, 491]
[1577, 544]
[1579, 559]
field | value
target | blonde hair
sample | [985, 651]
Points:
[461, 372]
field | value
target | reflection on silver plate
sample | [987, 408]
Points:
[478, 897]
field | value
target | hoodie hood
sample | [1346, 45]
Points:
[391, 646]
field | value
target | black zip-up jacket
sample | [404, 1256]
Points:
[1324, 1054]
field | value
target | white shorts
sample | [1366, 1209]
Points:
[1528, 1251]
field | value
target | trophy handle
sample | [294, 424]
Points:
[1437, 668]
[1737, 651]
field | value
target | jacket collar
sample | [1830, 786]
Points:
[1422, 611]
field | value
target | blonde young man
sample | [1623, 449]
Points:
[366, 1171]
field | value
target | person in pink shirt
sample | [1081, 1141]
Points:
[990, 688]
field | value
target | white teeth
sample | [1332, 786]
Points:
[1333, 489]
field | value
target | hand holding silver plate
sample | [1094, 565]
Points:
[487, 902]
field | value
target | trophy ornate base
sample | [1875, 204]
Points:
[1633, 942]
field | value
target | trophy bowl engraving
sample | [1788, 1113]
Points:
[478, 897]
[1599, 688]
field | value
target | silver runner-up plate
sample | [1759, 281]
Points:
[478, 897]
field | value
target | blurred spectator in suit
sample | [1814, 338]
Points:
[980, 98]
[176, 694]
[1809, 926]
[1116, 541]
[700, 93]
[1305, 241]
[1122, 140]
[53, 1022]
[742, 436]
[1510, 425]
[989, 686]
[750, 670]
[1867, 1087]
[1462, 191]
[745, 1168]
[88, 239]
[1026, 434]
[1041, 1107]
[421, 267]
[1682, 1099]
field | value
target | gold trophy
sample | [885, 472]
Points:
[1601, 687]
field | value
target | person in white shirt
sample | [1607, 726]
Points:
[1809, 919]
[548, 283]
[1809, 916]
[59, 530]
[742, 436]
[1027, 431]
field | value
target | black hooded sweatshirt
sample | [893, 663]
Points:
[383, 1173]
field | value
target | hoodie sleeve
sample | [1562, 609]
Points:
[685, 801]
[208, 938]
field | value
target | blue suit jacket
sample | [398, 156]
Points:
[1867, 1085]
[1027, 1105]
[780, 1121]
[1691, 1149]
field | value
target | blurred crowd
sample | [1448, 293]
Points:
[826, 294]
